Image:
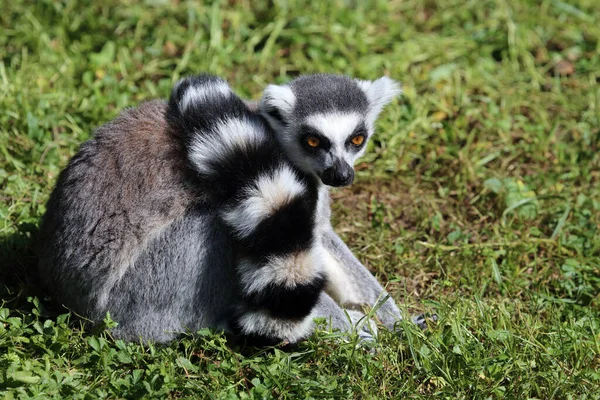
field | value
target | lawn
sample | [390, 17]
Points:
[478, 200]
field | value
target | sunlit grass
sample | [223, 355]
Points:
[479, 198]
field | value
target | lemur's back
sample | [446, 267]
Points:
[123, 187]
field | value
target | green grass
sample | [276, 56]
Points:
[479, 199]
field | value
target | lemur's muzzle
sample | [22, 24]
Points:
[340, 174]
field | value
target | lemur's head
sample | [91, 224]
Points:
[323, 122]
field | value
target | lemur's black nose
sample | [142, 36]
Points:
[340, 174]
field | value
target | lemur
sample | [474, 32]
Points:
[197, 213]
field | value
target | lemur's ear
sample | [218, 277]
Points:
[277, 104]
[379, 93]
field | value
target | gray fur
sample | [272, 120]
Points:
[117, 194]
[327, 93]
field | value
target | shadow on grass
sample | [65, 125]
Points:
[19, 278]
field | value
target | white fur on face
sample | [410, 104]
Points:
[337, 127]
[228, 136]
[202, 94]
[262, 199]
[261, 323]
[379, 93]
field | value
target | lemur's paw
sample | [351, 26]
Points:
[366, 328]
[421, 320]
[364, 334]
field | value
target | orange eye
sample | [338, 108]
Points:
[313, 141]
[358, 140]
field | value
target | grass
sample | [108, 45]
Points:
[479, 199]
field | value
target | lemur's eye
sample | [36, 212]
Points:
[358, 140]
[313, 141]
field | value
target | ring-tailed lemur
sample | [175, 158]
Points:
[143, 224]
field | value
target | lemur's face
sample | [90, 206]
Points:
[323, 122]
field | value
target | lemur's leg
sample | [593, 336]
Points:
[352, 285]
[342, 319]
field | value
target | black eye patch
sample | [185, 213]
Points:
[360, 130]
[309, 131]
